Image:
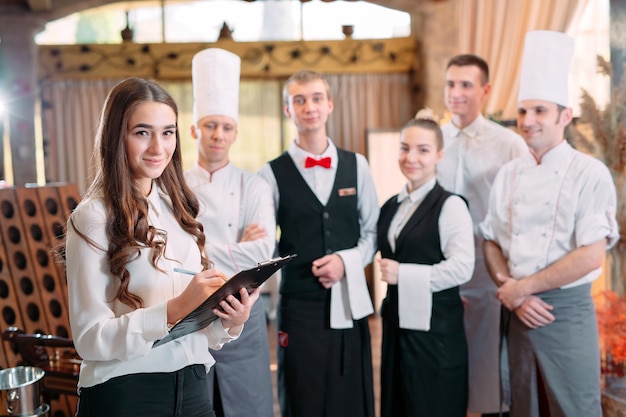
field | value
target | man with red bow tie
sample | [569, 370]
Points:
[327, 210]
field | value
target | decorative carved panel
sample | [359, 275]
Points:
[259, 59]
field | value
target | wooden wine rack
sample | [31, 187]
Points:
[33, 288]
[9, 304]
[51, 288]
[57, 203]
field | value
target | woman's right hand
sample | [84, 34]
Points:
[389, 270]
[201, 286]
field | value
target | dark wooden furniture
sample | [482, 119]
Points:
[54, 354]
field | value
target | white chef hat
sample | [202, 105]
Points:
[545, 67]
[215, 76]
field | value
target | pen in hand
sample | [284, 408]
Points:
[185, 271]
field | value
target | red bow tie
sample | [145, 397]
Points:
[311, 162]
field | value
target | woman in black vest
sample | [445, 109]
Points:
[426, 242]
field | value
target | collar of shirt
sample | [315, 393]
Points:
[556, 156]
[160, 216]
[408, 204]
[321, 180]
[220, 173]
[208, 176]
[417, 195]
[471, 131]
[299, 155]
[154, 198]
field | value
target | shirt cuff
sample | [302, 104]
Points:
[485, 231]
[594, 228]
[154, 322]
[218, 335]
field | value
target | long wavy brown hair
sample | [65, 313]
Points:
[127, 207]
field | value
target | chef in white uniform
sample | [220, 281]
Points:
[551, 219]
[237, 211]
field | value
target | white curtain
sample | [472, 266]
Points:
[495, 30]
[70, 114]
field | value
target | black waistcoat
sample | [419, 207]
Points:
[419, 242]
[310, 229]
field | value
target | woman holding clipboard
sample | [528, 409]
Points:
[134, 226]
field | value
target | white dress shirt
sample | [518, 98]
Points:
[350, 297]
[472, 158]
[112, 338]
[230, 200]
[538, 213]
[416, 282]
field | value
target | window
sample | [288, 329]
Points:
[201, 21]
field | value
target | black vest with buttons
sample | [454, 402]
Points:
[419, 242]
[310, 229]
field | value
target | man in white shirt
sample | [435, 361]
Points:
[237, 212]
[327, 209]
[475, 149]
[551, 218]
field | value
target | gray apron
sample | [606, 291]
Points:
[565, 353]
[242, 371]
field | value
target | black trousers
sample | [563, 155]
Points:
[183, 393]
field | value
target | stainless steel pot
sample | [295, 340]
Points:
[19, 390]
[43, 411]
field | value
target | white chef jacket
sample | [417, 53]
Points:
[416, 282]
[230, 200]
[538, 213]
[349, 298]
[112, 338]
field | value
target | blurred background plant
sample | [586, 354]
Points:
[601, 132]
[611, 312]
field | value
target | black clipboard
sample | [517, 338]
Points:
[203, 315]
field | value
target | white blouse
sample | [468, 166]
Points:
[112, 338]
